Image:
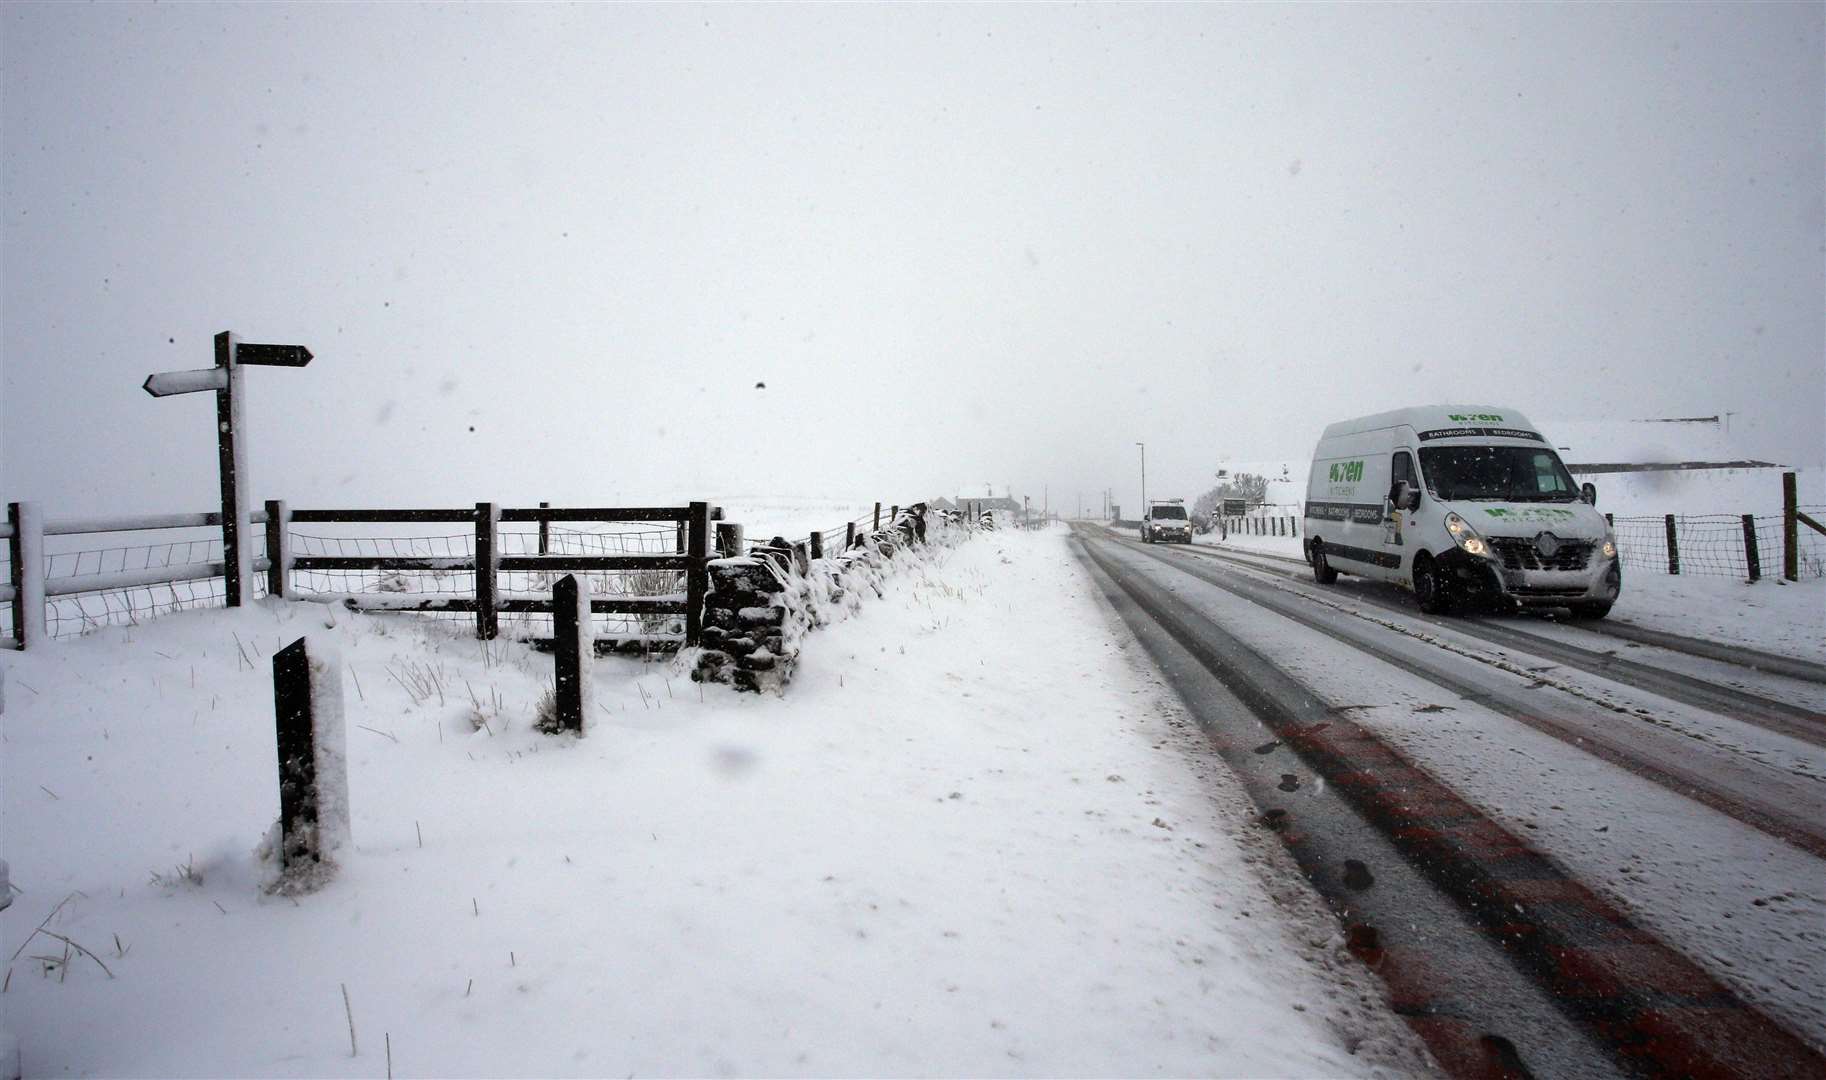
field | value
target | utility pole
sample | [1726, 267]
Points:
[1144, 476]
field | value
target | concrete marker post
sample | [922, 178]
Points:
[313, 765]
[573, 651]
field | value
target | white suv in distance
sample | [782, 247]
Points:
[1166, 522]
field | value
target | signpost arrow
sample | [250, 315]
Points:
[167, 383]
[272, 355]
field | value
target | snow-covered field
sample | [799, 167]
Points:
[973, 838]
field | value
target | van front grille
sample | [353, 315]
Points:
[1519, 553]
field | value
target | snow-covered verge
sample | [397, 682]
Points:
[1783, 617]
[971, 839]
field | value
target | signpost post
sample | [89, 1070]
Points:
[231, 455]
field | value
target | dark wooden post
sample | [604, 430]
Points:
[877, 527]
[1673, 547]
[573, 648]
[817, 545]
[313, 769]
[237, 556]
[488, 520]
[679, 542]
[1753, 559]
[697, 577]
[849, 535]
[728, 539]
[894, 516]
[545, 531]
[25, 557]
[278, 549]
[1791, 530]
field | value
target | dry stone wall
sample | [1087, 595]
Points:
[759, 607]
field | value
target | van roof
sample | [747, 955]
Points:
[1434, 418]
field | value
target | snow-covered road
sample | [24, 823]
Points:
[1607, 789]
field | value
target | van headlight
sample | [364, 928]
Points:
[1609, 548]
[1465, 536]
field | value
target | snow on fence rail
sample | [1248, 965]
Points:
[649, 571]
[644, 566]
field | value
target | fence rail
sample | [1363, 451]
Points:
[653, 578]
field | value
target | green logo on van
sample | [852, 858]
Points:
[1346, 472]
[1482, 417]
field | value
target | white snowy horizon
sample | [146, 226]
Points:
[549, 252]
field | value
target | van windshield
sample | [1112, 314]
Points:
[1170, 512]
[1496, 474]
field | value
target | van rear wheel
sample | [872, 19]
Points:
[1321, 566]
[1429, 590]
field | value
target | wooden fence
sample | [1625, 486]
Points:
[28, 590]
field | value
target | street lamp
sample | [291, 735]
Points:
[1144, 477]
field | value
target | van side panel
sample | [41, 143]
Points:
[1346, 495]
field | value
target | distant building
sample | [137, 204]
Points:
[986, 502]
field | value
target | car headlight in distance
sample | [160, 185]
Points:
[1464, 536]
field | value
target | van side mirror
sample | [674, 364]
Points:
[1404, 496]
[1588, 491]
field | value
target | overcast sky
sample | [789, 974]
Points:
[549, 252]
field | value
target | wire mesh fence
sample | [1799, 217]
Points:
[79, 610]
[1716, 545]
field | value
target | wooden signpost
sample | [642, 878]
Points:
[231, 454]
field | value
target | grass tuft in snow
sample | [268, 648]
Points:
[182, 875]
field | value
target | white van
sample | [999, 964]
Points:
[1166, 522]
[1455, 503]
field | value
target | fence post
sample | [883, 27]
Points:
[877, 527]
[313, 766]
[1610, 519]
[697, 577]
[1673, 547]
[278, 549]
[573, 650]
[25, 554]
[849, 535]
[1753, 559]
[1791, 530]
[488, 518]
[894, 516]
[545, 531]
[728, 539]
[817, 545]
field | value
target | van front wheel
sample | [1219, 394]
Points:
[1321, 566]
[1429, 590]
